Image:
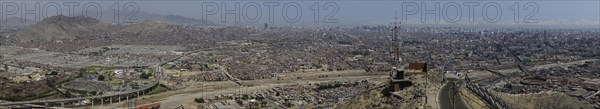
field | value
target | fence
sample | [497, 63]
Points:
[490, 100]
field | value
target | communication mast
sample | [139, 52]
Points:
[395, 44]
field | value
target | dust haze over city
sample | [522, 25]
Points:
[315, 54]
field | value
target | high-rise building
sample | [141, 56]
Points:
[266, 26]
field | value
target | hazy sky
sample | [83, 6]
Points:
[382, 11]
[361, 12]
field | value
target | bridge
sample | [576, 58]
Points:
[98, 98]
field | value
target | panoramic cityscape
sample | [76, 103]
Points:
[306, 54]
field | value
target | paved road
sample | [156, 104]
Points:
[449, 97]
[79, 98]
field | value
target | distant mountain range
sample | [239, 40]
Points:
[64, 33]
[72, 27]
[109, 17]
[146, 26]
[68, 28]
[15, 23]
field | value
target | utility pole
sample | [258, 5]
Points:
[425, 89]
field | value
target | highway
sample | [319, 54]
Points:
[154, 84]
[449, 96]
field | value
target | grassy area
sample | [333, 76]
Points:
[160, 88]
[100, 67]
[106, 70]
[92, 69]
[114, 81]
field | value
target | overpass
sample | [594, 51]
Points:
[98, 98]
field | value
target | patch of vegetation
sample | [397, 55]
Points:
[52, 73]
[246, 97]
[199, 100]
[114, 81]
[100, 67]
[160, 88]
[14, 98]
[101, 78]
[92, 69]
[360, 52]
[145, 75]
[260, 98]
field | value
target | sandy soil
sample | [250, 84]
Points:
[472, 100]
[543, 100]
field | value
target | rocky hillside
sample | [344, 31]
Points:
[411, 97]
[60, 28]
[108, 16]
[63, 34]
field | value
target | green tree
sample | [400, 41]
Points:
[245, 97]
[145, 75]
[81, 73]
[199, 100]
[101, 78]
[53, 73]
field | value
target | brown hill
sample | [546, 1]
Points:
[379, 98]
[74, 33]
[61, 27]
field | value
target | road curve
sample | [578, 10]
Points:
[154, 84]
[449, 96]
